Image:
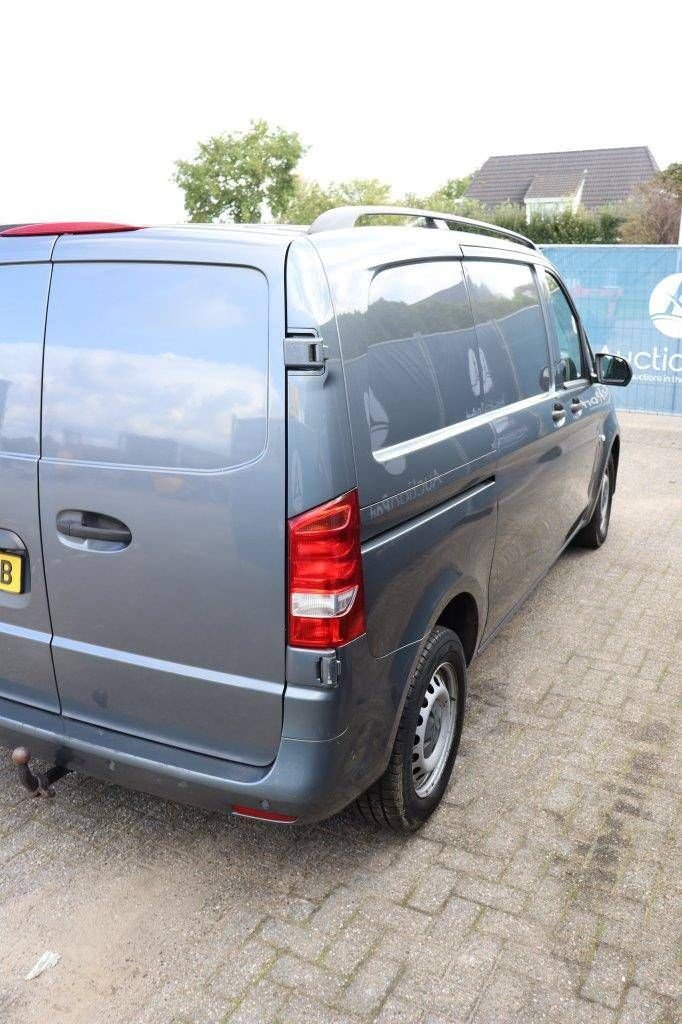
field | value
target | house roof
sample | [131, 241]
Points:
[611, 175]
[554, 185]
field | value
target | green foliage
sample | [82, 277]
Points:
[584, 227]
[671, 179]
[309, 199]
[361, 192]
[445, 199]
[233, 176]
[654, 212]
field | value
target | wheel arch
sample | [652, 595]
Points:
[461, 615]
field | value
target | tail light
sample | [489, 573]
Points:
[326, 600]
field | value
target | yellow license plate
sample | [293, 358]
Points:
[11, 572]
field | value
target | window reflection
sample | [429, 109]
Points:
[23, 296]
[568, 336]
[510, 329]
[420, 340]
[156, 364]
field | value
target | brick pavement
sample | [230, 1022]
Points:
[545, 889]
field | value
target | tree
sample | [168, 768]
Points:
[308, 201]
[234, 176]
[671, 179]
[309, 198]
[653, 216]
[446, 199]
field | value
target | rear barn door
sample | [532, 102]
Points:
[162, 500]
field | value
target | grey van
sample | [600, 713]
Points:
[265, 492]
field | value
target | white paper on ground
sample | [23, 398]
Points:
[46, 961]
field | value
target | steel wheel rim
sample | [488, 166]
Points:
[604, 501]
[435, 730]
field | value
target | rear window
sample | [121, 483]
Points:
[160, 365]
[23, 296]
[422, 352]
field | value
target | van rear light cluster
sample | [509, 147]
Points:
[326, 600]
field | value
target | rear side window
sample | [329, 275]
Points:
[421, 350]
[511, 331]
[567, 333]
[160, 365]
[23, 297]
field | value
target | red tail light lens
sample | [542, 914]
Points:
[326, 600]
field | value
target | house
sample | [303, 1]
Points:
[547, 183]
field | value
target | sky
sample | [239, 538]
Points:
[99, 100]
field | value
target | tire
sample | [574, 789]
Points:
[408, 792]
[596, 531]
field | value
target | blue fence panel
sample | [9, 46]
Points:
[630, 300]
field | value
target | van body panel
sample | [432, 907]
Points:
[320, 464]
[586, 404]
[27, 249]
[188, 243]
[183, 446]
[530, 525]
[26, 672]
[412, 571]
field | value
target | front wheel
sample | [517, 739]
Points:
[595, 532]
[426, 742]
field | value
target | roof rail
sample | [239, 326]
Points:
[348, 216]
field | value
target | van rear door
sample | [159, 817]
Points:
[26, 673]
[162, 498]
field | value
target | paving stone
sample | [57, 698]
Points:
[642, 1007]
[370, 986]
[262, 1005]
[310, 979]
[545, 890]
[608, 976]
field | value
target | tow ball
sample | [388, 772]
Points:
[37, 783]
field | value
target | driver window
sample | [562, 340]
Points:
[567, 333]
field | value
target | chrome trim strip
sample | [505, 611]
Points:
[132, 660]
[426, 517]
[415, 444]
[24, 634]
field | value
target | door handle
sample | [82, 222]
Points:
[576, 406]
[93, 526]
[558, 414]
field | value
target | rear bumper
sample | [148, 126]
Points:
[311, 778]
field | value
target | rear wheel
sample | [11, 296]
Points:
[426, 742]
[595, 532]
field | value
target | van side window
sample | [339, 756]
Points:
[155, 364]
[423, 365]
[567, 333]
[511, 331]
[23, 297]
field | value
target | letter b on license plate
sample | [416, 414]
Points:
[10, 573]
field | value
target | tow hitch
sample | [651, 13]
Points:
[37, 784]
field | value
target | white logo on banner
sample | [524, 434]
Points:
[665, 306]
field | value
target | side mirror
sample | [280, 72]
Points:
[613, 370]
